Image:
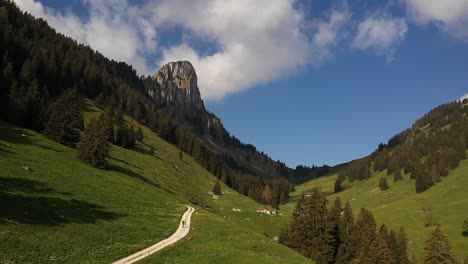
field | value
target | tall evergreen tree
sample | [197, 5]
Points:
[94, 147]
[217, 188]
[334, 227]
[107, 120]
[379, 250]
[437, 249]
[363, 233]
[383, 185]
[346, 248]
[65, 119]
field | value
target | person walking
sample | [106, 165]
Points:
[183, 224]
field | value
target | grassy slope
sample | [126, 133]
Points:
[65, 211]
[400, 205]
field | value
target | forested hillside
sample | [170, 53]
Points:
[39, 65]
[432, 147]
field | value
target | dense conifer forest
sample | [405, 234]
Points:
[39, 69]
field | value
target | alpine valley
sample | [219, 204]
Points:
[98, 163]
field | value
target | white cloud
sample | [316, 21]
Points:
[254, 42]
[380, 33]
[450, 15]
[112, 28]
[258, 41]
[329, 33]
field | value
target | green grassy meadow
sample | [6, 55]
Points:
[401, 206]
[64, 211]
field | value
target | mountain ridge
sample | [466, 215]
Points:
[175, 90]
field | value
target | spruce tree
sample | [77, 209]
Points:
[399, 244]
[383, 185]
[437, 249]
[334, 227]
[379, 250]
[318, 239]
[217, 188]
[65, 119]
[346, 249]
[363, 233]
[107, 120]
[94, 147]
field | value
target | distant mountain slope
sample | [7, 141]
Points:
[432, 147]
[400, 205]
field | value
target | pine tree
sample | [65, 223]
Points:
[379, 250]
[363, 233]
[107, 120]
[65, 119]
[383, 185]
[346, 248]
[319, 240]
[399, 245]
[397, 176]
[94, 147]
[437, 249]
[334, 227]
[217, 188]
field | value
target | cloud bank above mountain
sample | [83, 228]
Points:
[250, 42]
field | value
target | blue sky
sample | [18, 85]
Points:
[306, 82]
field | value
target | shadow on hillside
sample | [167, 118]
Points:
[123, 161]
[4, 150]
[144, 151]
[22, 136]
[28, 202]
[137, 176]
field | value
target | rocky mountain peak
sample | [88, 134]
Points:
[180, 74]
[176, 90]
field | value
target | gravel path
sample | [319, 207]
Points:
[181, 232]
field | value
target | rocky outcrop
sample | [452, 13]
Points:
[176, 91]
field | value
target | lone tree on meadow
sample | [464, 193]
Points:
[383, 185]
[217, 188]
[437, 249]
[94, 147]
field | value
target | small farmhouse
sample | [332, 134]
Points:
[267, 210]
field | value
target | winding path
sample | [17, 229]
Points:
[180, 233]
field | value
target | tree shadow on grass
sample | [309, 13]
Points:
[21, 136]
[29, 202]
[123, 161]
[137, 176]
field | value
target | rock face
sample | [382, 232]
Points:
[176, 91]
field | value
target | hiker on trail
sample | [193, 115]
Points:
[183, 223]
